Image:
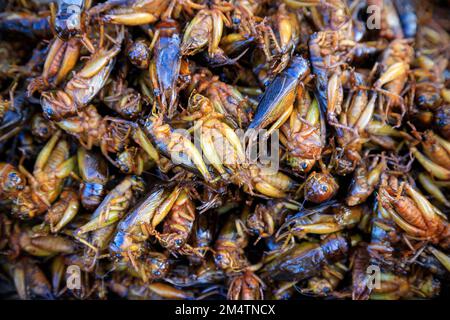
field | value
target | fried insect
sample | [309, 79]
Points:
[224, 149]
[304, 135]
[277, 103]
[413, 213]
[229, 246]
[45, 183]
[300, 262]
[171, 206]
[320, 186]
[83, 86]
[165, 65]
[94, 173]
[114, 205]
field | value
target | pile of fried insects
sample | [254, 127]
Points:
[224, 149]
